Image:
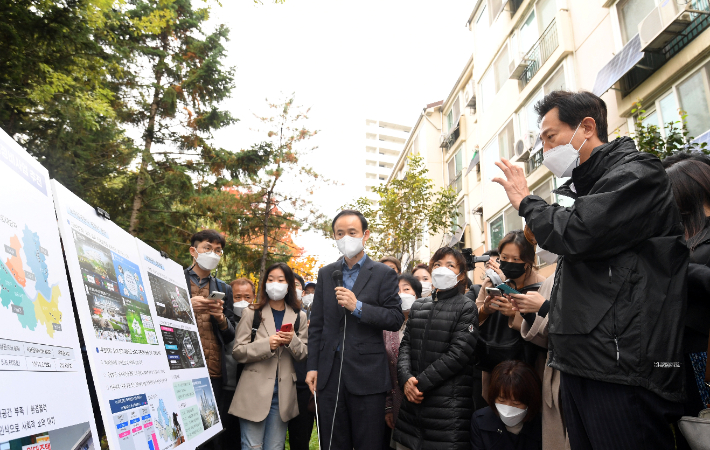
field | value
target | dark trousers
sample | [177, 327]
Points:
[231, 438]
[359, 420]
[608, 416]
[300, 427]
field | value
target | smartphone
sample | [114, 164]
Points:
[216, 295]
[493, 292]
[507, 289]
[287, 327]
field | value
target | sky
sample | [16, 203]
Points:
[381, 59]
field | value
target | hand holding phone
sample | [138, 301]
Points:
[493, 292]
[286, 333]
[507, 289]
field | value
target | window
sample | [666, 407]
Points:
[631, 13]
[694, 101]
[542, 14]
[455, 169]
[487, 91]
[545, 191]
[490, 156]
[556, 81]
[382, 177]
[481, 26]
[450, 120]
[495, 7]
[508, 221]
[500, 66]
[690, 95]
[528, 33]
[496, 231]
[527, 117]
[506, 141]
[546, 9]
[460, 219]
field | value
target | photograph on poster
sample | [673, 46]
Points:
[171, 301]
[74, 437]
[182, 348]
[205, 401]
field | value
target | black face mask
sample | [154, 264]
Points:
[512, 270]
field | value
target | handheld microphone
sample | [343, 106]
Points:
[337, 278]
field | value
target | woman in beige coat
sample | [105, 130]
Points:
[534, 328]
[265, 398]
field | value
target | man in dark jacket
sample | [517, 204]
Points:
[214, 318]
[347, 363]
[618, 304]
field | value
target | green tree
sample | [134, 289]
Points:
[677, 138]
[171, 84]
[407, 208]
[56, 94]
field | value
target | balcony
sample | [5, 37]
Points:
[457, 183]
[540, 52]
[450, 140]
[651, 62]
[532, 164]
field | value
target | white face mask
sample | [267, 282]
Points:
[563, 159]
[426, 289]
[307, 300]
[407, 300]
[510, 415]
[207, 261]
[350, 246]
[444, 278]
[276, 291]
[239, 307]
[299, 293]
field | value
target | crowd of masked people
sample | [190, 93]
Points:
[607, 353]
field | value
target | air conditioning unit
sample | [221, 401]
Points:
[524, 146]
[663, 24]
[517, 67]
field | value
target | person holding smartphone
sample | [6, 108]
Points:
[499, 321]
[212, 302]
[265, 399]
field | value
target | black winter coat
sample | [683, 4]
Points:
[437, 348]
[617, 310]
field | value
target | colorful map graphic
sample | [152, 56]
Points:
[14, 279]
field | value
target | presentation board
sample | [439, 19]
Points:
[44, 395]
[146, 403]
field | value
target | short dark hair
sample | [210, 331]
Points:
[410, 280]
[690, 181]
[394, 261]
[350, 212]
[516, 380]
[300, 280]
[460, 261]
[211, 236]
[573, 107]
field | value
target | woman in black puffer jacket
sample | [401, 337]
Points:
[435, 364]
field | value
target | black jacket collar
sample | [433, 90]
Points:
[602, 159]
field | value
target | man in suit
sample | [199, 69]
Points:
[347, 363]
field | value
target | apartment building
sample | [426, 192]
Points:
[656, 51]
[383, 145]
[622, 50]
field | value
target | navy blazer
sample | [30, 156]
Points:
[365, 368]
[488, 432]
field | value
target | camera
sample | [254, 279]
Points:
[472, 260]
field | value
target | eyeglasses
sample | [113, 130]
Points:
[217, 252]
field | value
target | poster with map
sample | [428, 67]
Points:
[43, 386]
[115, 295]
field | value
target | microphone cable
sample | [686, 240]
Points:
[340, 373]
